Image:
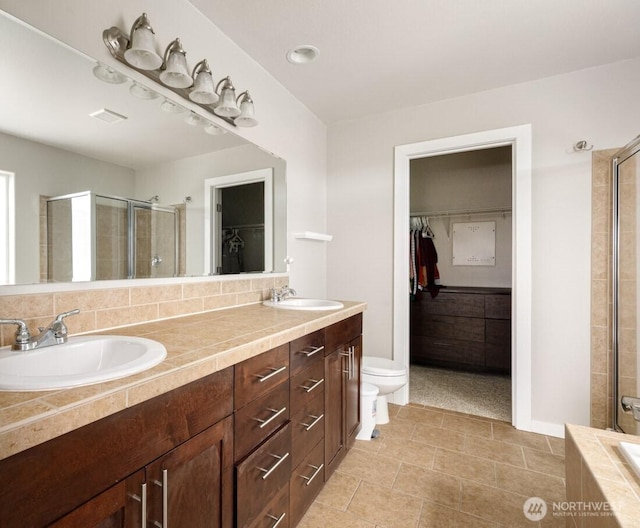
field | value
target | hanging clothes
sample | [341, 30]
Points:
[423, 261]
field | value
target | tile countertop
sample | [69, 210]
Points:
[616, 480]
[197, 345]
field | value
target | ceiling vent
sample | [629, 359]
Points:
[108, 116]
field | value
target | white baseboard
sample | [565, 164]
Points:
[547, 428]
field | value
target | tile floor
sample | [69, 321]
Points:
[437, 468]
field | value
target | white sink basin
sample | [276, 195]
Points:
[298, 303]
[632, 453]
[82, 360]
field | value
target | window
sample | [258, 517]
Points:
[7, 229]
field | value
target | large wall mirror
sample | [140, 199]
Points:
[105, 184]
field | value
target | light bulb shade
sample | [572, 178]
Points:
[214, 130]
[141, 53]
[174, 69]
[171, 107]
[247, 112]
[142, 92]
[203, 90]
[108, 74]
[227, 106]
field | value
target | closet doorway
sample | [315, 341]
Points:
[461, 276]
[518, 138]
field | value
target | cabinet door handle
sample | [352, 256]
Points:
[311, 350]
[277, 519]
[316, 383]
[165, 498]
[274, 372]
[264, 423]
[316, 419]
[441, 343]
[268, 472]
[349, 356]
[318, 469]
[142, 499]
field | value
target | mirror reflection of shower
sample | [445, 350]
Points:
[90, 236]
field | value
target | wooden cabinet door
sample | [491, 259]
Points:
[352, 392]
[118, 507]
[192, 485]
[334, 432]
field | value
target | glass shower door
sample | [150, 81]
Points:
[626, 292]
[154, 241]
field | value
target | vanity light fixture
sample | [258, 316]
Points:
[227, 107]
[140, 51]
[246, 117]
[203, 91]
[137, 50]
[174, 67]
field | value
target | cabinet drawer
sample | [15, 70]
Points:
[307, 480]
[257, 420]
[256, 376]
[462, 304]
[305, 351]
[447, 350]
[340, 333]
[262, 475]
[497, 306]
[306, 386]
[276, 513]
[307, 428]
[498, 331]
[448, 327]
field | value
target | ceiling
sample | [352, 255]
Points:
[378, 55]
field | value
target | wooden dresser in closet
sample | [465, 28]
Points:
[463, 328]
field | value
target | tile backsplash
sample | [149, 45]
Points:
[103, 307]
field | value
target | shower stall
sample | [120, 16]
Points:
[626, 289]
[96, 237]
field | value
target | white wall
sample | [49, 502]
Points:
[43, 170]
[287, 128]
[592, 104]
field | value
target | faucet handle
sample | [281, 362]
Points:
[22, 333]
[61, 316]
[58, 326]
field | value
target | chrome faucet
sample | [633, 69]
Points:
[281, 294]
[54, 334]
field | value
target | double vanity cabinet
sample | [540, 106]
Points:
[247, 446]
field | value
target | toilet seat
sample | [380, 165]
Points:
[382, 367]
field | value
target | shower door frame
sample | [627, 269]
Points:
[620, 157]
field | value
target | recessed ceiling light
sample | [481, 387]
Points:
[302, 54]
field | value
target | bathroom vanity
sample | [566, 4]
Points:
[241, 425]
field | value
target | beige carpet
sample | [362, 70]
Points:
[487, 395]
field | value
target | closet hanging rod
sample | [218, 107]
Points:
[463, 212]
[245, 226]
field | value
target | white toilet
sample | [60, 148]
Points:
[388, 376]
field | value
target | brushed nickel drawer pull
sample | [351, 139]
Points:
[277, 519]
[311, 350]
[274, 372]
[441, 343]
[142, 499]
[268, 472]
[316, 383]
[318, 469]
[316, 419]
[264, 423]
